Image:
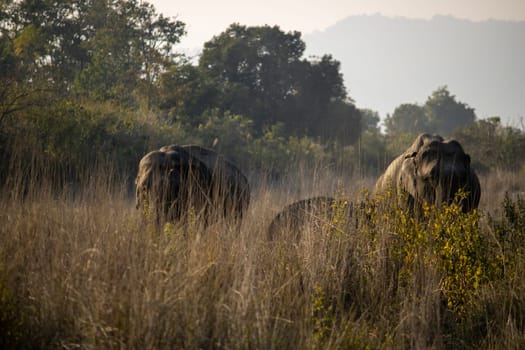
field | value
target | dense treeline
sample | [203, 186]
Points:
[85, 82]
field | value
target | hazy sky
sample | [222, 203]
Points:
[207, 18]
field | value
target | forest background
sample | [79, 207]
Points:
[86, 83]
[88, 87]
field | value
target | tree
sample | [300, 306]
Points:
[256, 68]
[369, 120]
[10, 96]
[339, 122]
[259, 72]
[372, 151]
[492, 145]
[129, 46]
[185, 92]
[407, 118]
[441, 114]
[21, 87]
[105, 49]
[445, 114]
[320, 106]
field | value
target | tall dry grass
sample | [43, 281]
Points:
[81, 268]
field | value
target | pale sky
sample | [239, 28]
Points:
[204, 19]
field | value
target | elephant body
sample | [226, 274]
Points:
[231, 188]
[176, 179]
[316, 212]
[432, 170]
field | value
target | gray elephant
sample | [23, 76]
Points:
[174, 180]
[231, 189]
[432, 170]
[316, 212]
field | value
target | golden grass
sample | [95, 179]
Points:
[84, 269]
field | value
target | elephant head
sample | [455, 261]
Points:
[435, 171]
[171, 182]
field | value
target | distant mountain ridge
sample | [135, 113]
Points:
[387, 61]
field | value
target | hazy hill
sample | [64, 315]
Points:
[389, 61]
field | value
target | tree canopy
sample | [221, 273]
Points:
[83, 80]
[446, 114]
[441, 114]
[260, 72]
[104, 49]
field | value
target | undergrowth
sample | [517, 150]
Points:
[90, 271]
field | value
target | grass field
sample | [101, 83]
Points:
[84, 269]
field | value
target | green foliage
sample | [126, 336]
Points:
[102, 49]
[229, 134]
[397, 145]
[509, 232]
[340, 213]
[29, 43]
[407, 118]
[445, 114]
[262, 59]
[129, 46]
[275, 152]
[259, 72]
[19, 89]
[322, 317]
[8, 61]
[71, 138]
[369, 120]
[444, 241]
[492, 145]
[370, 154]
[461, 257]
[441, 114]
[185, 92]
[339, 123]
[93, 82]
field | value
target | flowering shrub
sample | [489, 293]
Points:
[444, 241]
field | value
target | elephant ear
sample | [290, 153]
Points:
[407, 175]
[143, 180]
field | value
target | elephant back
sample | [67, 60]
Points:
[224, 173]
[230, 187]
[291, 219]
[217, 163]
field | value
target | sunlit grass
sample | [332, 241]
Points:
[85, 269]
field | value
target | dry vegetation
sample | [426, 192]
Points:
[83, 269]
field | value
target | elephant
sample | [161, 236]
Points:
[173, 180]
[432, 170]
[315, 211]
[231, 188]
